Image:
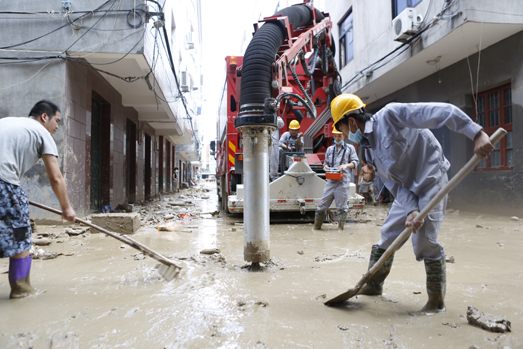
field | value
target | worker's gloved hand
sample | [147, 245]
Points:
[69, 214]
[482, 145]
[416, 225]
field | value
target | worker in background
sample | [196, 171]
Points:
[175, 180]
[343, 157]
[22, 142]
[274, 151]
[366, 182]
[292, 140]
[410, 161]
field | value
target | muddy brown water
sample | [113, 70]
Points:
[102, 297]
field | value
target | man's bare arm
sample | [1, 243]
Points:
[58, 184]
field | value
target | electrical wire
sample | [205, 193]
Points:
[88, 30]
[406, 45]
[55, 30]
[22, 82]
[115, 61]
[168, 50]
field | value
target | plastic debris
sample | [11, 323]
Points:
[169, 226]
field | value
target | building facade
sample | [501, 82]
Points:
[464, 52]
[127, 77]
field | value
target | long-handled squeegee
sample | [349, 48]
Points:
[167, 269]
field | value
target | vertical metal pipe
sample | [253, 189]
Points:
[256, 218]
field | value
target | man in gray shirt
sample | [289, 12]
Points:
[343, 157]
[22, 142]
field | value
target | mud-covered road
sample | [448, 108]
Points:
[108, 296]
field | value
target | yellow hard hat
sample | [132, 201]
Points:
[294, 125]
[335, 131]
[344, 104]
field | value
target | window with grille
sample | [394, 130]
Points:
[493, 110]
[346, 30]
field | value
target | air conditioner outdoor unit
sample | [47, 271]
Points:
[184, 83]
[190, 41]
[406, 24]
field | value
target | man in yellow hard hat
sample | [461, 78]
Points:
[343, 157]
[410, 161]
[292, 140]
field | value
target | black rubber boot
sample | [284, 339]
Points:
[319, 218]
[341, 221]
[436, 285]
[374, 287]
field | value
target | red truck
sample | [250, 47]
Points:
[306, 70]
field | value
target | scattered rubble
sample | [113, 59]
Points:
[76, 231]
[42, 242]
[487, 321]
[343, 328]
[139, 256]
[452, 325]
[44, 255]
[449, 259]
[210, 251]
[124, 223]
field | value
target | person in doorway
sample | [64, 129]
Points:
[22, 142]
[366, 181]
[175, 179]
[292, 140]
[342, 157]
[274, 150]
[410, 162]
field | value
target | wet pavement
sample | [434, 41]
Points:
[107, 295]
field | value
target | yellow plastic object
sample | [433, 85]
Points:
[335, 131]
[344, 104]
[294, 125]
[169, 226]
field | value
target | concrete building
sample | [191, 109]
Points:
[110, 66]
[464, 52]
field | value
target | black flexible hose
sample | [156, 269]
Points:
[309, 69]
[261, 54]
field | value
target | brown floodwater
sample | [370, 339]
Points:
[106, 296]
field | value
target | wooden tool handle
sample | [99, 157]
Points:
[125, 239]
[495, 138]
